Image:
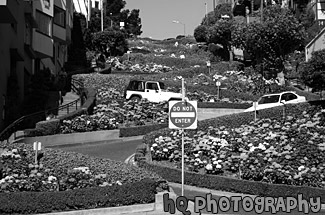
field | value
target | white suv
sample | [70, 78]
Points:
[153, 91]
[277, 99]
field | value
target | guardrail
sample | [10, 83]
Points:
[29, 121]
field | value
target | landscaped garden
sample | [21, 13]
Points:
[238, 150]
[83, 182]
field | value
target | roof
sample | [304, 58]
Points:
[315, 38]
[273, 94]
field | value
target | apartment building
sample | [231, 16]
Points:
[34, 35]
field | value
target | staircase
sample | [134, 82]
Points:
[71, 102]
[68, 98]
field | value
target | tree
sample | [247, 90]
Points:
[200, 33]
[220, 33]
[214, 16]
[110, 42]
[269, 42]
[313, 73]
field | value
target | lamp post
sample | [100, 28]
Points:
[102, 15]
[218, 89]
[178, 22]
[209, 67]
[111, 20]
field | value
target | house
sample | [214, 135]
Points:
[316, 44]
[34, 35]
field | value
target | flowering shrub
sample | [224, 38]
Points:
[60, 171]
[290, 152]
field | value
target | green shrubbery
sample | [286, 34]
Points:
[140, 192]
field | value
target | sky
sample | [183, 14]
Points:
[157, 16]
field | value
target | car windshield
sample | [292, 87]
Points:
[269, 99]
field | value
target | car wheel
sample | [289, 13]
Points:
[135, 98]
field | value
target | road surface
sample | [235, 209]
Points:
[105, 149]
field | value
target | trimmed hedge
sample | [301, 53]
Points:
[231, 184]
[141, 192]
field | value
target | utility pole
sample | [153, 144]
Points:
[206, 13]
[89, 12]
[214, 5]
[262, 2]
[102, 14]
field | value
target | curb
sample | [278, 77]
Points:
[217, 192]
[109, 141]
[143, 208]
[130, 159]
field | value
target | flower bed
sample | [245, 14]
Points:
[270, 150]
[67, 180]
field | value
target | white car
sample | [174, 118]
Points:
[153, 91]
[277, 99]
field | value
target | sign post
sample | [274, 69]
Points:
[209, 66]
[183, 115]
[218, 84]
[255, 105]
[37, 147]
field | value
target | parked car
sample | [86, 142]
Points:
[153, 91]
[277, 99]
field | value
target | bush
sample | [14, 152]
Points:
[49, 127]
[140, 192]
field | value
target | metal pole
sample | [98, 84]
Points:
[184, 30]
[206, 13]
[262, 2]
[111, 20]
[254, 104]
[218, 93]
[102, 15]
[183, 99]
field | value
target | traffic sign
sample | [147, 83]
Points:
[183, 115]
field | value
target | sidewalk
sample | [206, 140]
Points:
[191, 192]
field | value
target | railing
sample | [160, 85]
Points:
[29, 121]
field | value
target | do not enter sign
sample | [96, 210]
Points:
[182, 115]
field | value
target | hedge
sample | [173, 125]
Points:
[231, 184]
[141, 192]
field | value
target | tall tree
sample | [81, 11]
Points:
[269, 42]
[313, 73]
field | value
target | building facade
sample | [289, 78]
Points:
[34, 35]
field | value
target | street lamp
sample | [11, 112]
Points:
[178, 22]
[111, 20]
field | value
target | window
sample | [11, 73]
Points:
[44, 23]
[269, 99]
[59, 16]
[288, 97]
[97, 4]
[152, 86]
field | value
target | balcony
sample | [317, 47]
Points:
[59, 33]
[8, 11]
[42, 45]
